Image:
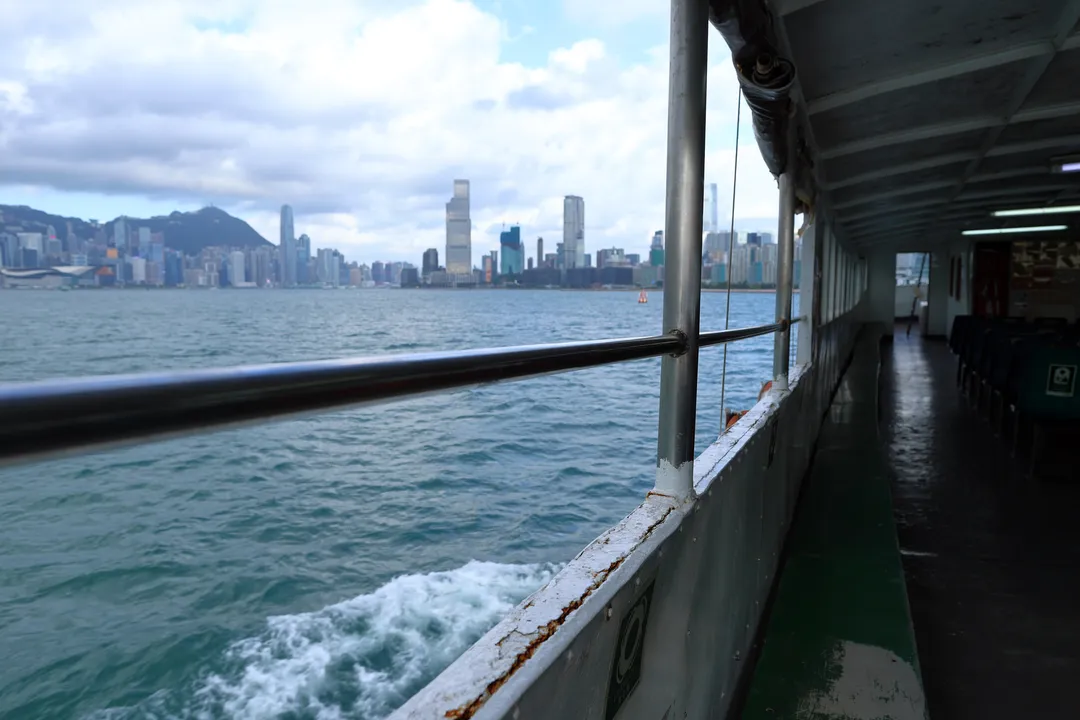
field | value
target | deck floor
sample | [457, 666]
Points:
[991, 558]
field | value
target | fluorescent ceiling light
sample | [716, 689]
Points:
[1006, 231]
[1065, 164]
[1059, 210]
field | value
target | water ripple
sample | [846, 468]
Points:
[209, 577]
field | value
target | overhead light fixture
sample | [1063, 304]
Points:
[1011, 230]
[1058, 210]
[1068, 164]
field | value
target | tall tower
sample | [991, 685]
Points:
[574, 231]
[120, 232]
[303, 259]
[712, 210]
[656, 249]
[431, 261]
[539, 252]
[288, 248]
[459, 231]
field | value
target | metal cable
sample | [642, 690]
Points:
[731, 247]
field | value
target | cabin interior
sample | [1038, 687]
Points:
[951, 129]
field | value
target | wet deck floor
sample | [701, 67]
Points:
[992, 559]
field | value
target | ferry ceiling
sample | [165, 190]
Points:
[911, 121]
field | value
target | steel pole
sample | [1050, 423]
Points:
[785, 264]
[682, 261]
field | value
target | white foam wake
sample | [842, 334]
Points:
[361, 658]
[358, 659]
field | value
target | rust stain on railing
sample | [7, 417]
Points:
[546, 631]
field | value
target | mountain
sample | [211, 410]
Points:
[31, 220]
[188, 232]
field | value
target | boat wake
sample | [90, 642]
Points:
[360, 658]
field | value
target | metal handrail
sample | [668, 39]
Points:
[42, 419]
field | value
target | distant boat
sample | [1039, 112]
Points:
[643, 298]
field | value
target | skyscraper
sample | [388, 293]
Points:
[288, 248]
[511, 251]
[717, 244]
[711, 220]
[574, 231]
[431, 261]
[459, 231]
[303, 259]
[236, 268]
[539, 252]
[656, 249]
[328, 267]
[144, 240]
[120, 232]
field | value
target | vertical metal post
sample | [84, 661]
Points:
[809, 296]
[682, 252]
[785, 264]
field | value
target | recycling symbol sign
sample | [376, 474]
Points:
[1061, 380]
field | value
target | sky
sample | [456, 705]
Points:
[359, 114]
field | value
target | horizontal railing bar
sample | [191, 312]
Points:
[47, 418]
[716, 337]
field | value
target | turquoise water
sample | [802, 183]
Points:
[326, 567]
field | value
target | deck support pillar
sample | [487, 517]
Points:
[785, 267]
[682, 261]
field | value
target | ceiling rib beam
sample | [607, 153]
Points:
[950, 158]
[888, 229]
[926, 132]
[1034, 146]
[913, 78]
[895, 208]
[876, 239]
[1004, 192]
[885, 216]
[889, 171]
[911, 217]
[1069, 18]
[902, 243]
[1046, 112]
[898, 192]
[927, 231]
[1006, 174]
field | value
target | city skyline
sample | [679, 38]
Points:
[127, 251]
[294, 253]
[458, 252]
[254, 119]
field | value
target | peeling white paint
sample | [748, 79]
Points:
[524, 635]
[873, 683]
[676, 482]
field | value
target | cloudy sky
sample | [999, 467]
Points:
[358, 113]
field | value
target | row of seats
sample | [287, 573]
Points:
[1021, 375]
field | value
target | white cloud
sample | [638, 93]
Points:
[359, 115]
[616, 12]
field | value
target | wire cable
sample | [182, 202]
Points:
[731, 247]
